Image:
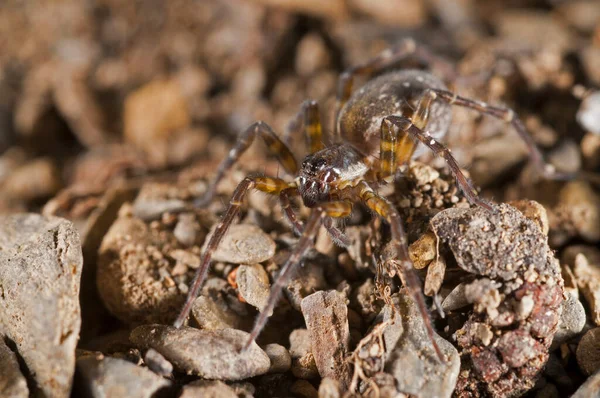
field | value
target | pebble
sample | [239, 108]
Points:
[12, 381]
[572, 321]
[40, 271]
[579, 207]
[329, 388]
[208, 389]
[213, 312]
[588, 115]
[413, 362]
[132, 276]
[157, 363]
[588, 351]
[299, 343]
[210, 354]
[303, 389]
[307, 280]
[591, 388]
[243, 244]
[253, 285]
[587, 275]
[100, 377]
[534, 211]
[423, 251]
[156, 199]
[281, 361]
[187, 229]
[326, 317]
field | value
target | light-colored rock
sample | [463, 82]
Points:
[243, 244]
[40, 270]
[12, 381]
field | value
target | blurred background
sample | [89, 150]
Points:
[97, 91]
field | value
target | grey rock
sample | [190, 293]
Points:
[413, 362]
[281, 361]
[157, 363]
[456, 299]
[591, 388]
[326, 317]
[243, 244]
[572, 321]
[40, 270]
[210, 354]
[187, 229]
[12, 381]
[208, 389]
[101, 377]
[253, 285]
[212, 313]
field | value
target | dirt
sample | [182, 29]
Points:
[115, 116]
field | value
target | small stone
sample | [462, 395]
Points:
[456, 299]
[153, 114]
[423, 250]
[299, 343]
[243, 244]
[572, 321]
[303, 389]
[208, 389]
[157, 363]
[307, 280]
[329, 388]
[590, 149]
[210, 354]
[412, 360]
[187, 229]
[213, 312]
[326, 317]
[312, 54]
[434, 277]
[422, 174]
[113, 377]
[281, 361]
[40, 271]
[591, 388]
[588, 352]
[566, 158]
[155, 199]
[253, 285]
[587, 276]
[12, 382]
[579, 207]
[305, 367]
[534, 211]
[37, 179]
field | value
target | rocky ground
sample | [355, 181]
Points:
[114, 116]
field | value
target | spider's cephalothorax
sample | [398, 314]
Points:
[388, 121]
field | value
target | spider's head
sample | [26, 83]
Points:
[315, 178]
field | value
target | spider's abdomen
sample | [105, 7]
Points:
[392, 94]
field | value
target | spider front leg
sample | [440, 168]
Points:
[509, 116]
[309, 120]
[389, 213]
[265, 184]
[274, 144]
[400, 126]
[331, 209]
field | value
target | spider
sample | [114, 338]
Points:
[394, 117]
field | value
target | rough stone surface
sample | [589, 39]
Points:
[213, 354]
[208, 389]
[326, 317]
[244, 244]
[588, 351]
[572, 321]
[12, 381]
[40, 270]
[157, 363]
[281, 361]
[413, 362]
[253, 285]
[99, 377]
[591, 388]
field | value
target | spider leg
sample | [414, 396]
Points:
[331, 209]
[404, 126]
[309, 120]
[274, 144]
[265, 184]
[406, 49]
[388, 212]
[509, 116]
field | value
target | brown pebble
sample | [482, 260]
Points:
[243, 244]
[588, 352]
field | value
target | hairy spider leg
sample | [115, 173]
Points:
[389, 213]
[306, 122]
[404, 50]
[405, 126]
[274, 144]
[509, 116]
[268, 185]
[329, 209]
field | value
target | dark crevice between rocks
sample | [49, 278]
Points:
[31, 384]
